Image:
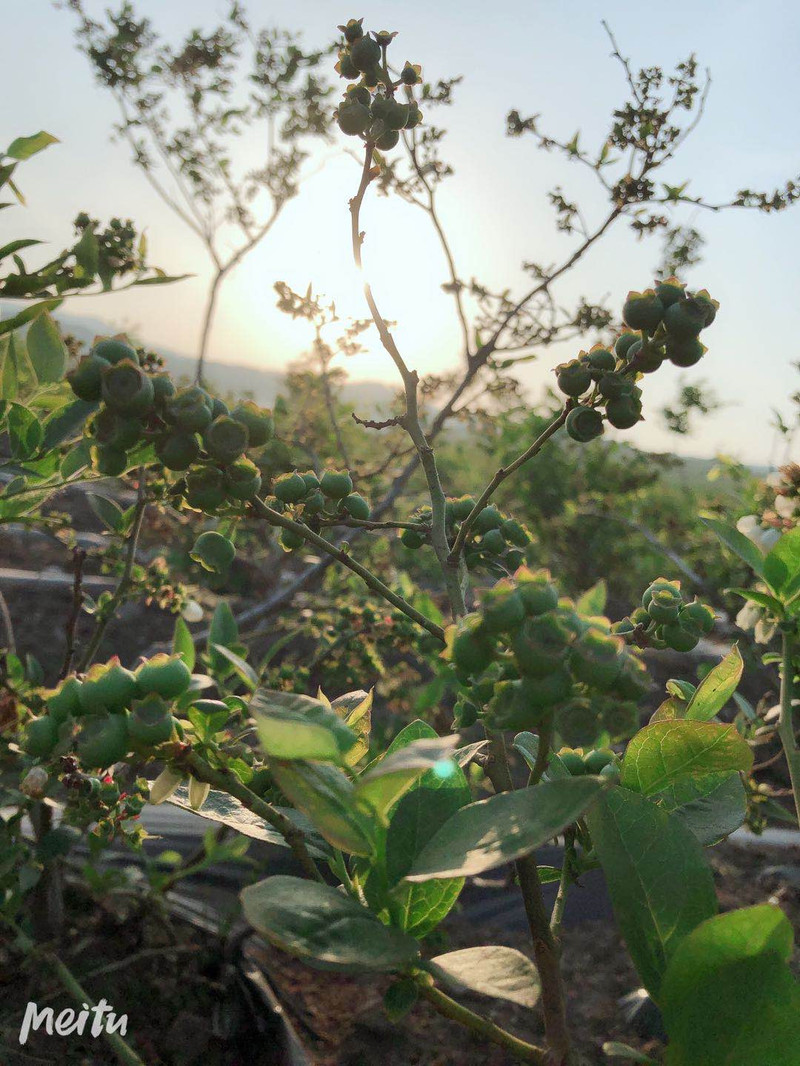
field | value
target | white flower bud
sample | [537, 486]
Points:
[165, 785]
[34, 782]
[198, 793]
[192, 611]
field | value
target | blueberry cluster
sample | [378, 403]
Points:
[529, 657]
[328, 496]
[664, 322]
[371, 109]
[496, 540]
[666, 620]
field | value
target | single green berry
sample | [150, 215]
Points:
[696, 616]
[414, 117]
[624, 342]
[574, 378]
[85, 379]
[114, 351]
[127, 389]
[358, 94]
[242, 479]
[190, 409]
[387, 140]
[396, 115]
[150, 722]
[600, 360]
[515, 533]
[213, 552]
[205, 488]
[411, 74]
[487, 520]
[103, 740]
[596, 659]
[502, 608]
[108, 460]
[684, 320]
[472, 648]
[226, 439]
[577, 722]
[107, 687]
[540, 645]
[336, 484]
[290, 488]
[643, 310]
[572, 763]
[678, 638]
[670, 292]
[345, 67]
[685, 353]
[365, 53]
[356, 506]
[260, 426]
[624, 412]
[412, 539]
[164, 675]
[646, 357]
[64, 702]
[584, 424]
[353, 31]
[493, 542]
[291, 540]
[163, 388]
[41, 736]
[709, 306]
[353, 118]
[178, 451]
[538, 593]
[461, 507]
[596, 761]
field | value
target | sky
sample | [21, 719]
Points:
[540, 56]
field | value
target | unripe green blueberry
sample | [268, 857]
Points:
[85, 379]
[596, 761]
[353, 118]
[643, 310]
[410, 74]
[661, 584]
[493, 542]
[584, 424]
[205, 488]
[242, 479]
[218, 408]
[345, 67]
[396, 115]
[572, 763]
[487, 519]
[685, 353]
[596, 659]
[177, 450]
[577, 722]
[414, 117]
[678, 638]
[311, 480]
[189, 408]
[412, 539]
[684, 320]
[213, 552]
[515, 533]
[163, 675]
[64, 702]
[538, 593]
[226, 439]
[41, 736]
[387, 140]
[150, 722]
[664, 605]
[601, 359]
[126, 388]
[163, 388]
[108, 460]
[612, 386]
[314, 502]
[540, 645]
[670, 292]
[620, 718]
[514, 558]
[356, 506]
[573, 378]
[365, 53]
[624, 342]
[291, 540]
[472, 649]
[624, 412]
[114, 351]
[709, 306]
[646, 357]
[372, 77]
[126, 432]
[336, 484]
[696, 616]
[107, 687]
[103, 740]
[358, 94]
[353, 31]
[502, 608]
[290, 488]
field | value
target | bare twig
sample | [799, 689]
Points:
[78, 559]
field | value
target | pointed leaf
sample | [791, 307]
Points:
[292, 726]
[46, 349]
[493, 971]
[737, 542]
[25, 147]
[717, 687]
[664, 752]
[182, 643]
[323, 793]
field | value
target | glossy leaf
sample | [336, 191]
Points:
[385, 782]
[323, 793]
[664, 752]
[500, 972]
[292, 726]
[717, 687]
[660, 885]
[712, 806]
[325, 927]
[498, 830]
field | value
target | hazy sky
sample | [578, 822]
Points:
[547, 57]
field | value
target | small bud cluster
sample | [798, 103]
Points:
[666, 620]
[528, 658]
[329, 496]
[663, 323]
[370, 108]
[496, 541]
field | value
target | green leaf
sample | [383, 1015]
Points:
[615, 1050]
[223, 630]
[593, 601]
[386, 781]
[66, 421]
[737, 542]
[498, 830]
[782, 564]
[292, 726]
[658, 880]
[712, 806]
[502, 973]
[25, 147]
[666, 751]
[328, 929]
[323, 793]
[87, 252]
[182, 643]
[760, 598]
[728, 996]
[7, 325]
[717, 687]
[109, 513]
[24, 431]
[356, 710]
[17, 246]
[46, 350]
[223, 809]
[527, 744]
[162, 279]
[242, 668]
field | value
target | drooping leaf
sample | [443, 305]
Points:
[240, 666]
[712, 806]
[500, 972]
[660, 885]
[728, 996]
[664, 752]
[46, 349]
[498, 830]
[738, 543]
[66, 421]
[25, 147]
[328, 929]
[326, 795]
[717, 687]
[385, 782]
